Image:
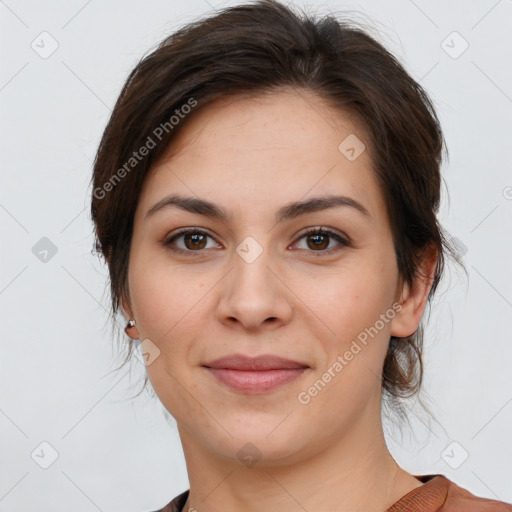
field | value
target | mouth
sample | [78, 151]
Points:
[255, 375]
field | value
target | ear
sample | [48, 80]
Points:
[413, 298]
[124, 304]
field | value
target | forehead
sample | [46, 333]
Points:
[273, 147]
[282, 119]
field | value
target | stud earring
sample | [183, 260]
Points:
[129, 325]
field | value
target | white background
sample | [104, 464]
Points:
[122, 454]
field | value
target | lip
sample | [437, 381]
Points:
[262, 362]
[254, 375]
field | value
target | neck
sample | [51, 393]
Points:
[355, 473]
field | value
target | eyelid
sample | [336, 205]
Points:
[342, 239]
[323, 229]
[184, 231]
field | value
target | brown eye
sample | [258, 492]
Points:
[188, 241]
[194, 241]
[319, 239]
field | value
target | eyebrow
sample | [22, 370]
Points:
[287, 212]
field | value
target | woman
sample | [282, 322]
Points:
[265, 194]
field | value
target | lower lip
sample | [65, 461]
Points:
[254, 382]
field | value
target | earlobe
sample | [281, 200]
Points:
[130, 329]
[413, 298]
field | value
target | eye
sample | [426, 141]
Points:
[318, 239]
[194, 240]
[190, 240]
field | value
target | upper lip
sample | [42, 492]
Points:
[262, 362]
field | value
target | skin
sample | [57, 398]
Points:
[251, 156]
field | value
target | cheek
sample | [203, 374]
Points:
[164, 300]
[349, 301]
[168, 306]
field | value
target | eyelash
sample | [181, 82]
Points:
[344, 242]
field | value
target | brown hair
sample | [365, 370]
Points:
[256, 48]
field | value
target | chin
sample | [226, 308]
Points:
[267, 441]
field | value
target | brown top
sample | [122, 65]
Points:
[437, 494]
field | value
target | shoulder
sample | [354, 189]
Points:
[439, 494]
[461, 500]
[177, 504]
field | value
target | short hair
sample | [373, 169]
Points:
[262, 47]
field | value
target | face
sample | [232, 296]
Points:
[255, 282]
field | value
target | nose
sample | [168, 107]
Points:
[254, 296]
